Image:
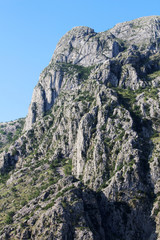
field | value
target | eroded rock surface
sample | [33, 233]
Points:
[87, 165]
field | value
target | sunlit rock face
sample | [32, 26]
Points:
[86, 163]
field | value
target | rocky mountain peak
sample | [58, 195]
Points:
[86, 165]
[73, 34]
[71, 43]
[81, 46]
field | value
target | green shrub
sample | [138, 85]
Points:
[4, 178]
[120, 166]
[35, 193]
[68, 167]
[9, 217]
[49, 205]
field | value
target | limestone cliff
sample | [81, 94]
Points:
[86, 164]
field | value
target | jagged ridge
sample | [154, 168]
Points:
[94, 114]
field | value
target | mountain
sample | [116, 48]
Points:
[84, 163]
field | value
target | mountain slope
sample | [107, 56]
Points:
[86, 165]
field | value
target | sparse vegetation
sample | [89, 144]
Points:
[83, 72]
[93, 157]
[9, 217]
[68, 167]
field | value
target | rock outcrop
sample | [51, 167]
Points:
[86, 164]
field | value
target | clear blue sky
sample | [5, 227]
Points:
[30, 30]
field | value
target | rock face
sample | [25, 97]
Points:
[86, 164]
[82, 46]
